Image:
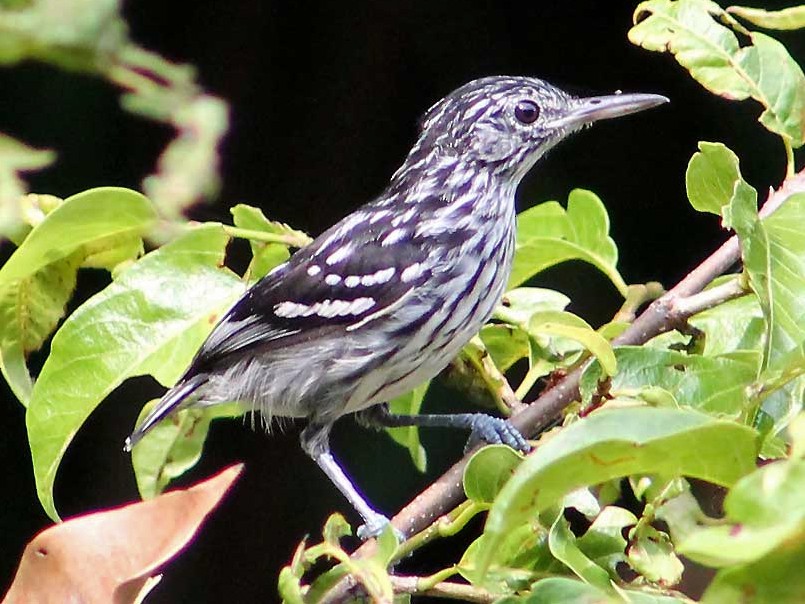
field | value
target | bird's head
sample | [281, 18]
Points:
[505, 124]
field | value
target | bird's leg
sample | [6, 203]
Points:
[483, 428]
[315, 441]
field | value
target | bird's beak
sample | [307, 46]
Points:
[595, 108]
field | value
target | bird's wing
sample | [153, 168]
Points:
[335, 283]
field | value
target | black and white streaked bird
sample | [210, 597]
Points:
[386, 298]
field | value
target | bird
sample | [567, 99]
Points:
[384, 299]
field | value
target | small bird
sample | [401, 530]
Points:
[386, 298]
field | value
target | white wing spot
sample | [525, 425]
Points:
[393, 237]
[332, 279]
[313, 270]
[339, 254]
[289, 310]
[411, 273]
[378, 278]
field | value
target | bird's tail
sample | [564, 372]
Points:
[169, 403]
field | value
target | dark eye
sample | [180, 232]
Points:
[526, 112]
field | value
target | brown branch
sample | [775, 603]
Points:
[664, 314]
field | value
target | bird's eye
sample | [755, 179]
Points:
[526, 112]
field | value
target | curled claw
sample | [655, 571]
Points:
[495, 431]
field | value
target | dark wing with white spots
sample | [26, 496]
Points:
[348, 275]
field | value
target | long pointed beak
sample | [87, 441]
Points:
[595, 108]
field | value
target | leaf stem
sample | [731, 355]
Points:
[446, 526]
[790, 167]
[265, 237]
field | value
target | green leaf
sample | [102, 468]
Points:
[82, 219]
[785, 19]
[519, 304]
[16, 157]
[603, 542]
[567, 325]
[563, 546]
[774, 257]
[505, 344]
[408, 436]
[735, 325]
[265, 255]
[712, 175]
[150, 320]
[619, 442]
[765, 510]
[570, 591]
[488, 470]
[714, 385]
[30, 309]
[39, 278]
[711, 52]
[652, 556]
[172, 447]
[548, 235]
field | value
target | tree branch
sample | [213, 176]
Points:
[664, 314]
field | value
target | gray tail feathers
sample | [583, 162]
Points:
[169, 403]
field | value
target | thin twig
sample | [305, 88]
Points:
[661, 316]
[446, 589]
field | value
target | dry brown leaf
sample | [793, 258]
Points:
[108, 556]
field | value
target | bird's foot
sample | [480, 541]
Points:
[374, 525]
[495, 431]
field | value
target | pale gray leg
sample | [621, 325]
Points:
[316, 443]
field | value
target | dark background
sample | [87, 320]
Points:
[325, 98]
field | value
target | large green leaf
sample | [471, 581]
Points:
[613, 443]
[774, 257]
[548, 234]
[98, 228]
[554, 590]
[714, 385]
[150, 320]
[712, 53]
[82, 219]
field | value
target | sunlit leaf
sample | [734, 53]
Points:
[547, 235]
[785, 19]
[571, 591]
[488, 470]
[765, 511]
[38, 279]
[693, 31]
[711, 177]
[570, 326]
[266, 255]
[619, 442]
[774, 257]
[711, 384]
[150, 320]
